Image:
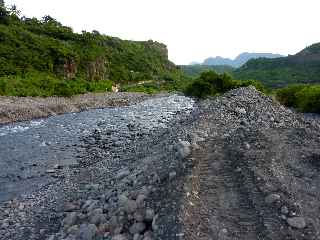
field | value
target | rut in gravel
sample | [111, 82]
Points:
[223, 201]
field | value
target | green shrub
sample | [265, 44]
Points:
[288, 95]
[306, 98]
[210, 83]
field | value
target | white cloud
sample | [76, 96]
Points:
[193, 29]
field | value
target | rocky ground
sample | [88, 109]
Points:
[14, 109]
[239, 166]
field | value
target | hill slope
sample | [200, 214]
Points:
[29, 45]
[239, 60]
[303, 67]
[197, 69]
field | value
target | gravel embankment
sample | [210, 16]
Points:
[14, 109]
[257, 174]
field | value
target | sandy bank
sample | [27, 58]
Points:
[14, 109]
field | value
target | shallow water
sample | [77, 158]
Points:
[30, 148]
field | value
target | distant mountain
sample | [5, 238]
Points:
[239, 60]
[303, 67]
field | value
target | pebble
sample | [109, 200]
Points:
[272, 198]
[87, 232]
[284, 210]
[172, 175]
[138, 227]
[297, 222]
[70, 207]
[119, 237]
[149, 215]
[70, 219]
[184, 149]
[123, 173]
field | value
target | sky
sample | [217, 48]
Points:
[192, 29]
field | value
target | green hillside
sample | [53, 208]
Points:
[197, 69]
[303, 67]
[39, 56]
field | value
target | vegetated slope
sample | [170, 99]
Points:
[30, 47]
[303, 67]
[197, 69]
[239, 60]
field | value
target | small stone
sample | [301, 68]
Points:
[73, 230]
[70, 219]
[137, 237]
[87, 232]
[123, 173]
[149, 215]
[247, 146]
[70, 207]
[184, 149]
[154, 223]
[140, 200]
[272, 198]
[96, 217]
[297, 222]
[284, 210]
[93, 187]
[241, 110]
[130, 206]
[119, 237]
[57, 166]
[139, 216]
[138, 227]
[50, 171]
[172, 175]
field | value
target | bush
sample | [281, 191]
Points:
[306, 98]
[288, 95]
[210, 83]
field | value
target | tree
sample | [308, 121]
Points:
[3, 13]
[15, 11]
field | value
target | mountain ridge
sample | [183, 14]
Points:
[300, 68]
[239, 60]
